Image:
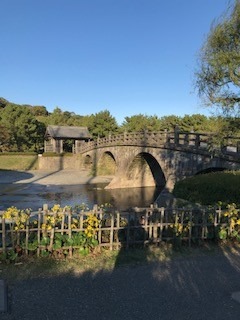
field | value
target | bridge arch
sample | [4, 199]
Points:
[106, 164]
[145, 170]
[87, 161]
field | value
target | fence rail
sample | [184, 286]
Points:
[46, 231]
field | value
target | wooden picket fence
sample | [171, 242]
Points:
[140, 226]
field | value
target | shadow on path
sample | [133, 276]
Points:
[196, 288]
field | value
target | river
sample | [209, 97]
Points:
[33, 189]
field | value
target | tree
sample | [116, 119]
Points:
[102, 124]
[3, 102]
[4, 139]
[218, 77]
[140, 123]
[57, 117]
[25, 132]
[170, 122]
[39, 111]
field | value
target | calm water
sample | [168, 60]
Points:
[35, 196]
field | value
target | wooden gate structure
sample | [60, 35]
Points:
[56, 135]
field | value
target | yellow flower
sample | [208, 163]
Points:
[56, 208]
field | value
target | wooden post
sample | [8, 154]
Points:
[118, 228]
[146, 235]
[150, 223]
[62, 222]
[161, 223]
[81, 221]
[100, 216]
[39, 231]
[3, 235]
[128, 232]
[190, 229]
[51, 239]
[203, 225]
[27, 236]
[111, 232]
[70, 231]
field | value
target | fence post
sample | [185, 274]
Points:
[145, 227]
[161, 223]
[203, 225]
[70, 230]
[118, 228]
[63, 221]
[128, 231]
[3, 235]
[150, 224]
[111, 231]
[51, 239]
[27, 236]
[190, 229]
[39, 231]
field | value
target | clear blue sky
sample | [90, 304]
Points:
[85, 56]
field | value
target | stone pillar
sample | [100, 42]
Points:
[176, 136]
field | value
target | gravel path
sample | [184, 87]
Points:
[188, 288]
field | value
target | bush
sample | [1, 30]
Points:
[211, 188]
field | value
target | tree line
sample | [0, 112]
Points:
[217, 81]
[22, 127]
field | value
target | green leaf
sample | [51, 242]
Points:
[44, 253]
[222, 234]
[45, 241]
[69, 241]
[57, 244]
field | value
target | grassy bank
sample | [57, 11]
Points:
[18, 161]
[211, 188]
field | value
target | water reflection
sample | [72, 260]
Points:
[96, 194]
[35, 195]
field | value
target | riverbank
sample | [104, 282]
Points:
[49, 177]
[31, 189]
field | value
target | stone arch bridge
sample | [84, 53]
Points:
[159, 158]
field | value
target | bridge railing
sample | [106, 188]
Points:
[176, 139]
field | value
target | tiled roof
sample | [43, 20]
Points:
[67, 132]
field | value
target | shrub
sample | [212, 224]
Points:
[209, 189]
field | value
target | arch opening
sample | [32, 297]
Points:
[106, 164]
[87, 161]
[146, 171]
